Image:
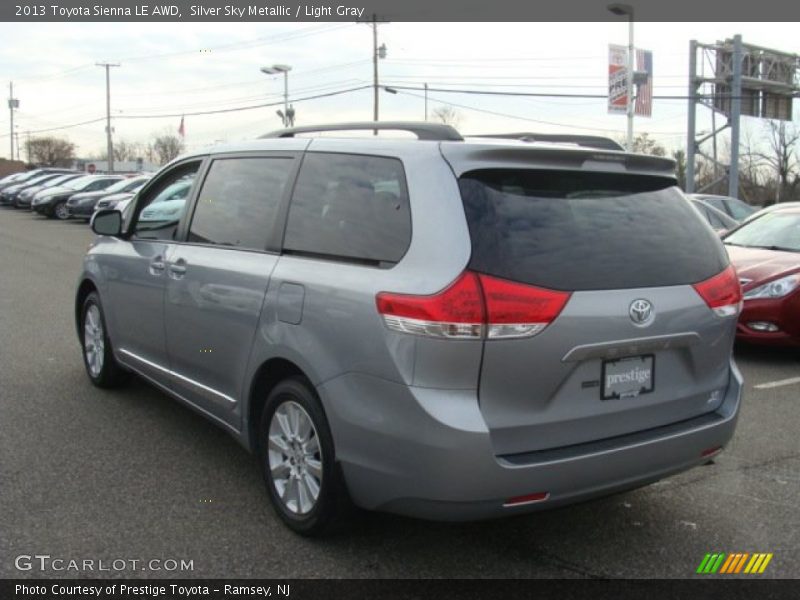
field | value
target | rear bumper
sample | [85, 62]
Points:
[427, 453]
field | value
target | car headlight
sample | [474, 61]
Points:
[775, 289]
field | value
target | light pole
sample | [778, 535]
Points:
[109, 141]
[287, 114]
[622, 10]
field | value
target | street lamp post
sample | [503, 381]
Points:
[627, 10]
[287, 115]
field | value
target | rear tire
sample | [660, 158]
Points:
[98, 355]
[59, 211]
[295, 448]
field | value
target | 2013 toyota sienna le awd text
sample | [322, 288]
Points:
[441, 327]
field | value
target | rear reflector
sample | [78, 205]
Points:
[711, 451]
[722, 293]
[528, 499]
[474, 306]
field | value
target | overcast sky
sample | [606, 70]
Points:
[182, 68]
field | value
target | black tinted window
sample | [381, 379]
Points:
[239, 201]
[350, 206]
[586, 231]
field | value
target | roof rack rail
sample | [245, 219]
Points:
[423, 131]
[587, 141]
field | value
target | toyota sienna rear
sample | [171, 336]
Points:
[443, 328]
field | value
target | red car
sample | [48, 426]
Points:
[766, 254]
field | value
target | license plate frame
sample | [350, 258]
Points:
[629, 364]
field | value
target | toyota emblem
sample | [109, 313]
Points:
[641, 312]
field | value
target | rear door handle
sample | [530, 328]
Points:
[157, 266]
[177, 269]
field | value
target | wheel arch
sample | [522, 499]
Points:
[266, 377]
[86, 287]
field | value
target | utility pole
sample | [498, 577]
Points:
[426, 102]
[28, 146]
[110, 143]
[377, 52]
[12, 104]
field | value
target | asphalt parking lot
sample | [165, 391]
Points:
[131, 474]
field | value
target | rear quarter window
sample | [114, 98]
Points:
[578, 230]
[350, 207]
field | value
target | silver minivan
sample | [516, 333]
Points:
[441, 327]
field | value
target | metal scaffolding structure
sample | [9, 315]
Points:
[742, 79]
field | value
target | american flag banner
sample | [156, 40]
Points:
[644, 92]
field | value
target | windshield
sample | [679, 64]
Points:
[60, 180]
[118, 187]
[79, 183]
[773, 230]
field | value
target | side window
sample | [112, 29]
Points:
[738, 211]
[350, 206]
[161, 208]
[239, 202]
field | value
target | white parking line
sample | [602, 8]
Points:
[779, 383]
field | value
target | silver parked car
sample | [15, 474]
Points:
[447, 328]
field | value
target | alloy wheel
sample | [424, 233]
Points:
[295, 458]
[93, 340]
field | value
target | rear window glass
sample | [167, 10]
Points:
[575, 231]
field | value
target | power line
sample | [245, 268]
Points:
[252, 107]
[208, 112]
[510, 116]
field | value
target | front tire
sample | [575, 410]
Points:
[98, 356]
[296, 452]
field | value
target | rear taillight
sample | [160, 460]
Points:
[474, 306]
[722, 293]
[455, 312]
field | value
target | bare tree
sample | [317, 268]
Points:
[124, 150]
[780, 154]
[165, 147]
[448, 115]
[644, 144]
[51, 151]
[679, 156]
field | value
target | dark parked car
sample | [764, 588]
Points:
[117, 201]
[10, 193]
[24, 198]
[766, 254]
[82, 205]
[16, 178]
[53, 203]
[733, 207]
[719, 221]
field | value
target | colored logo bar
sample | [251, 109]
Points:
[734, 563]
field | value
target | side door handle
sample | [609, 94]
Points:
[157, 266]
[177, 269]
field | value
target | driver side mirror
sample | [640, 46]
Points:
[107, 221]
